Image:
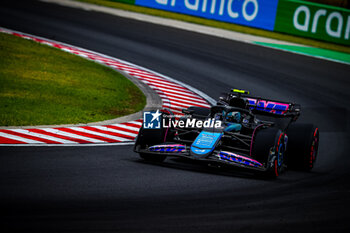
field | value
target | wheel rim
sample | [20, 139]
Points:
[280, 151]
[280, 155]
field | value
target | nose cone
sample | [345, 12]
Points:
[205, 143]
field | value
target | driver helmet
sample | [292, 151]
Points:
[234, 117]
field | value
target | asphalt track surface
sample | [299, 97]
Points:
[109, 189]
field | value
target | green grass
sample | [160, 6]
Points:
[317, 52]
[41, 85]
[217, 24]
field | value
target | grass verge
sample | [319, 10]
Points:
[218, 24]
[41, 85]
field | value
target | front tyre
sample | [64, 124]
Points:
[150, 137]
[268, 148]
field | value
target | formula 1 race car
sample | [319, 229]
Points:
[241, 131]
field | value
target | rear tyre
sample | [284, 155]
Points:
[303, 140]
[267, 141]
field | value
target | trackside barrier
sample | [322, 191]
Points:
[132, 2]
[252, 13]
[313, 20]
[294, 17]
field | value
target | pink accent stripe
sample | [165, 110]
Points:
[251, 143]
[242, 157]
[168, 145]
[166, 133]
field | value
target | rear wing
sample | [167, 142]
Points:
[264, 106]
[272, 107]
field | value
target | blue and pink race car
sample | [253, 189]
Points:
[240, 131]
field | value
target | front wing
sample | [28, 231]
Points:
[217, 156]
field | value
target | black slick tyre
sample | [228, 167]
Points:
[303, 140]
[266, 141]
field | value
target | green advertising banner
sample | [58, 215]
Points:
[132, 2]
[294, 17]
[312, 20]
